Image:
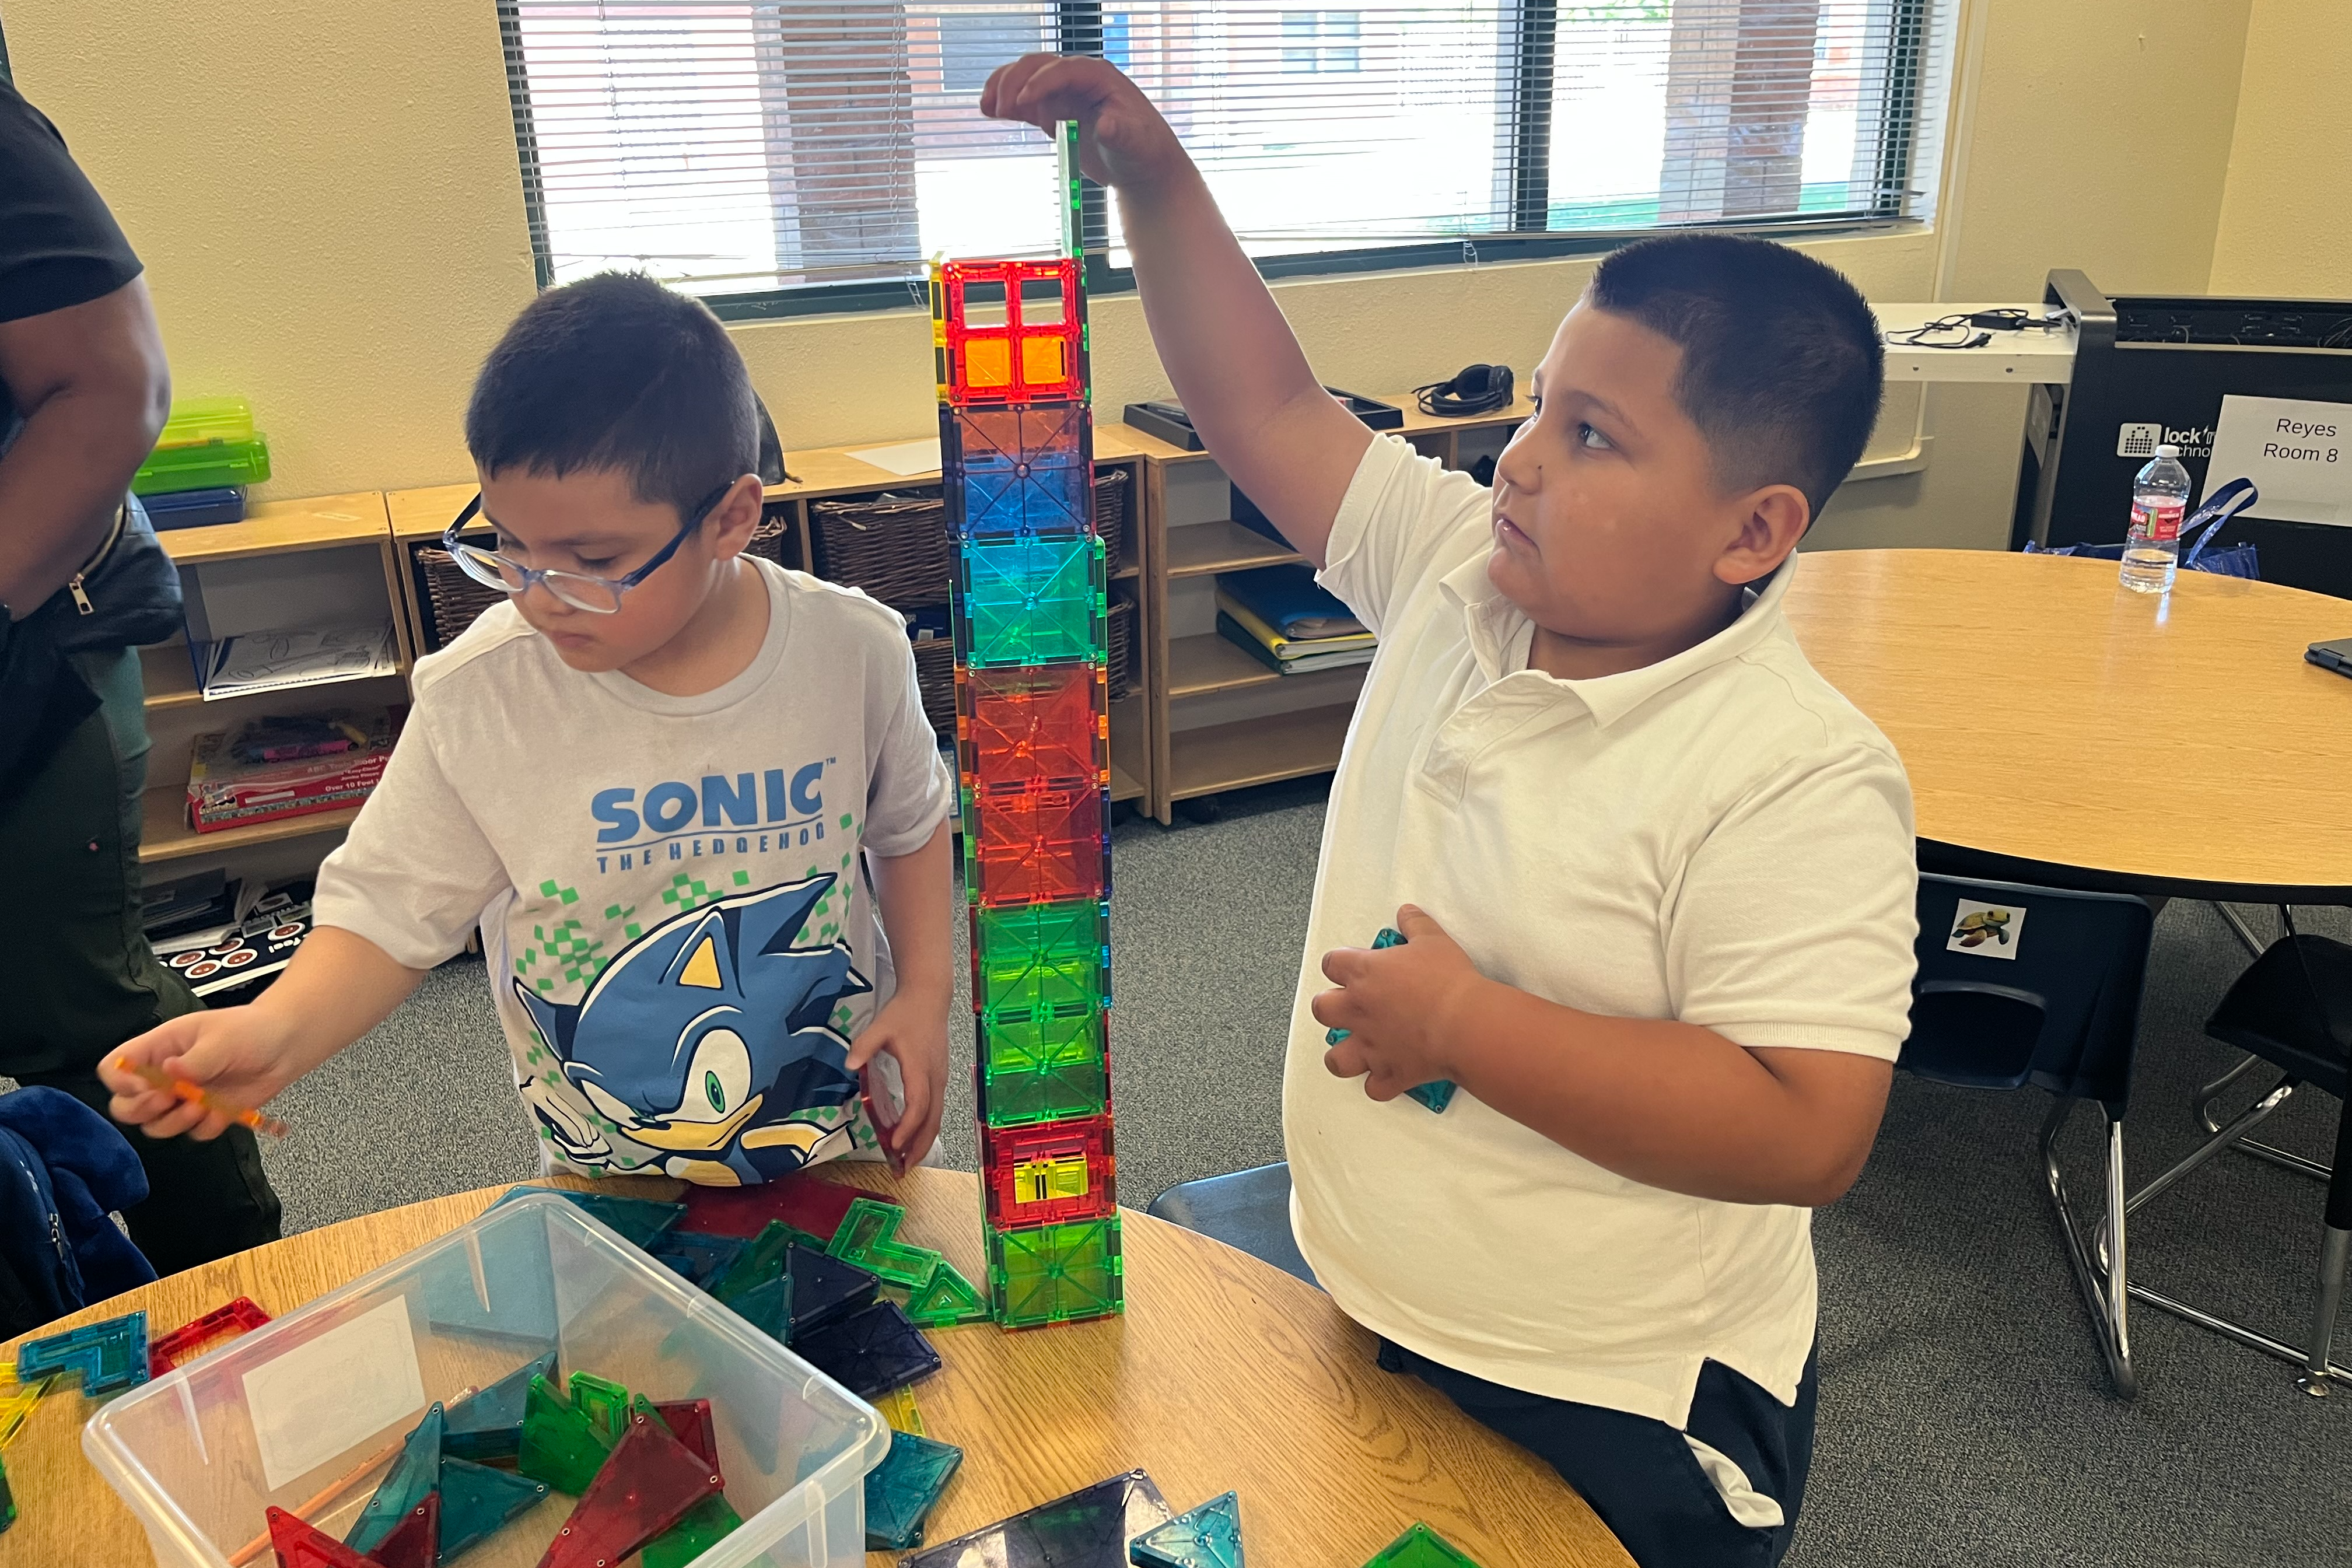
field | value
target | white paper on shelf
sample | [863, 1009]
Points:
[908, 457]
[275, 662]
[326, 1397]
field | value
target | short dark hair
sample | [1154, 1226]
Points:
[618, 372]
[1782, 367]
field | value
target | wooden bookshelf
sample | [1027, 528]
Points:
[1259, 750]
[164, 833]
[1203, 549]
[276, 527]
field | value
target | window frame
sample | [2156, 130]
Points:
[1075, 26]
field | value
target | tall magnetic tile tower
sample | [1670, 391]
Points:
[1033, 732]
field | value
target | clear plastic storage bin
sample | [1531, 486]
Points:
[276, 1417]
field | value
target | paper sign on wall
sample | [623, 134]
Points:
[337, 1391]
[2298, 452]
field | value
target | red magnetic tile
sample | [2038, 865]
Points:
[803, 1202]
[239, 1317]
[648, 1484]
[1022, 359]
[1046, 1173]
[1023, 726]
[688, 1421]
[414, 1542]
[1037, 846]
[299, 1544]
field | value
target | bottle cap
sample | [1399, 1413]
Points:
[2168, 450]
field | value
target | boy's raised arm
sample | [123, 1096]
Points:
[1236, 366]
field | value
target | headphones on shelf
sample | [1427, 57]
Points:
[1476, 389]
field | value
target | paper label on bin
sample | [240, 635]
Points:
[337, 1391]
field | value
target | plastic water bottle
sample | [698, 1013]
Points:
[2152, 547]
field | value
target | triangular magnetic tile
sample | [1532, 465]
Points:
[945, 1299]
[825, 1289]
[1208, 1537]
[414, 1542]
[299, 1544]
[1088, 1529]
[559, 1444]
[705, 1525]
[476, 1501]
[501, 1403]
[689, 1422]
[650, 1483]
[1421, 1547]
[416, 1472]
[901, 1490]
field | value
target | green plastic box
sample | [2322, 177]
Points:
[212, 465]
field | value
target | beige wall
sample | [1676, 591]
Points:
[327, 197]
[2286, 208]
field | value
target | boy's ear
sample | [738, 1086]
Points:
[1771, 521]
[736, 517]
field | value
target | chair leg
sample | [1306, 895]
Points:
[2206, 1119]
[2106, 1289]
[2245, 1122]
[2245, 933]
[2333, 1253]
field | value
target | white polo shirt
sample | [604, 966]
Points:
[1719, 838]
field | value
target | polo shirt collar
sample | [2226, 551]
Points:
[1501, 634]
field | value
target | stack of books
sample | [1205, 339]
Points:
[289, 766]
[1278, 614]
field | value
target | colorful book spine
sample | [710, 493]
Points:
[1033, 730]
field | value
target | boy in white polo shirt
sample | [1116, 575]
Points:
[1657, 876]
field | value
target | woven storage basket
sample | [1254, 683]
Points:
[1120, 639]
[773, 539]
[897, 549]
[1111, 489]
[451, 600]
[935, 678]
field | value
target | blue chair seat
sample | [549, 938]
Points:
[1248, 1210]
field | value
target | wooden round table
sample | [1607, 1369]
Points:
[2060, 729]
[1223, 1374]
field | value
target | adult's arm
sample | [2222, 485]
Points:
[91, 384]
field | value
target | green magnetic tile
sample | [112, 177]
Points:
[947, 1298]
[768, 1308]
[760, 1261]
[416, 1472]
[603, 1403]
[1040, 960]
[1421, 1547]
[901, 1491]
[1043, 1069]
[561, 1445]
[708, 1523]
[866, 1238]
[1031, 601]
[1052, 1273]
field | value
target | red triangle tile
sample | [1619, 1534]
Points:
[299, 1545]
[648, 1484]
[414, 1542]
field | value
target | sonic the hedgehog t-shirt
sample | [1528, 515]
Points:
[681, 939]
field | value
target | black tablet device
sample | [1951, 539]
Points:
[2335, 656]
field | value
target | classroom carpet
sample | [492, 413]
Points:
[1964, 1412]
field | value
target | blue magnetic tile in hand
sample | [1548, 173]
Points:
[1208, 1537]
[903, 1488]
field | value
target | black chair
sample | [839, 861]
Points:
[2292, 1009]
[1249, 1210]
[2022, 986]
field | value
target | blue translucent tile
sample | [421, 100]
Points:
[109, 1355]
[901, 1491]
[1208, 1537]
[414, 1474]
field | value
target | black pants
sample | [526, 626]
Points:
[1640, 1475]
[81, 979]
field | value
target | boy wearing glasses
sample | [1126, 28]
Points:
[690, 798]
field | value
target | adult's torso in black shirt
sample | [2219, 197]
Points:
[58, 244]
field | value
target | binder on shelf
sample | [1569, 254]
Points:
[1233, 632]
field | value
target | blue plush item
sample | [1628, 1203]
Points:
[63, 1167]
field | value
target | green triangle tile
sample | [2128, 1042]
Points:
[559, 1445]
[415, 1473]
[946, 1298]
[1208, 1537]
[476, 1501]
[705, 1525]
[1421, 1547]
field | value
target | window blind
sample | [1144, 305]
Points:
[753, 147]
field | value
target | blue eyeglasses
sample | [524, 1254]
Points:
[598, 595]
